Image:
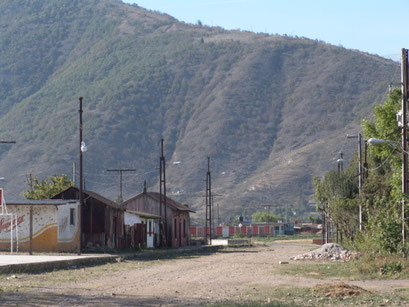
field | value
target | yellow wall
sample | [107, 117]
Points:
[48, 235]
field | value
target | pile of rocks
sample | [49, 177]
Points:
[329, 251]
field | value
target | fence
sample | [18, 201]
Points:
[247, 230]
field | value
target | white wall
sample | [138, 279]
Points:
[66, 231]
[132, 219]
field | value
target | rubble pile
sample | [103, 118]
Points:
[329, 251]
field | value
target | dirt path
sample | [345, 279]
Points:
[228, 275]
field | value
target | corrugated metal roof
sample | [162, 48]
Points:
[144, 214]
[156, 196]
[42, 202]
[96, 196]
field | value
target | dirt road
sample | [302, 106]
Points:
[229, 275]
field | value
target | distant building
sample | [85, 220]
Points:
[102, 220]
[177, 216]
[43, 225]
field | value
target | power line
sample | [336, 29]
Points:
[120, 171]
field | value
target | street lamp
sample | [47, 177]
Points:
[340, 162]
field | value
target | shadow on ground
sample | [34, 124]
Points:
[52, 299]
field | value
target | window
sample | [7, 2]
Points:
[72, 216]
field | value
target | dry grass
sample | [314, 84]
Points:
[339, 290]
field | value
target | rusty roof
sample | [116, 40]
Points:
[94, 195]
[173, 204]
[42, 202]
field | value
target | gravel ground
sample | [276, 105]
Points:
[228, 275]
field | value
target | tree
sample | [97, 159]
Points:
[264, 217]
[337, 195]
[382, 190]
[47, 187]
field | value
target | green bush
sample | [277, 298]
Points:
[391, 268]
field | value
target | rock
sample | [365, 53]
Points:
[283, 262]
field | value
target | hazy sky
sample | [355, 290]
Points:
[375, 26]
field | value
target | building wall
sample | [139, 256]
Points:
[52, 231]
[180, 229]
[148, 205]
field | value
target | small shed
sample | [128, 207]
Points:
[177, 215]
[102, 220]
[42, 226]
[141, 229]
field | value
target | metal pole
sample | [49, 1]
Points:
[210, 199]
[31, 230]
[207, 205]
[73, 173]
[404, 79]
[120, 186]
[162, 192]
[160, 203]
[120, 171]
[168, 242]
[218, 216]
[360, 176]
[81, 196]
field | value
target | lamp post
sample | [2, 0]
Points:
[404, 81]
[340, 163]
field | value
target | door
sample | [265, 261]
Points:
[114, 232]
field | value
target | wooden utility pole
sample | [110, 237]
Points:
[163, 223]
[121, 170]
[404, 79]
[208, 203]
[81, 196]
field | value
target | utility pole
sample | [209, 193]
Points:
[366, 160]
[218, 215]
[404, 81]
[208, 203]
[162, 198]
[360, 172]
[81, 196]
[73, 173]
[120, 171]
[340, 170]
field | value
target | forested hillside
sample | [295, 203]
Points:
[270, 111]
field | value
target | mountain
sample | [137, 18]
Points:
[271, 111]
